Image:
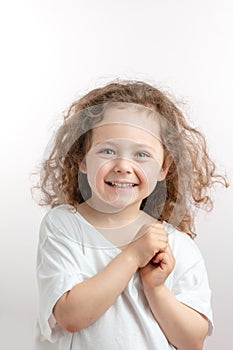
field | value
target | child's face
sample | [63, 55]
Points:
[125, 160]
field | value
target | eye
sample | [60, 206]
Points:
[107, 151]
[142, 155]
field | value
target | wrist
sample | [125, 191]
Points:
[130, 259]
[156, 290]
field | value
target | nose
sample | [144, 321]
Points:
[123, 166]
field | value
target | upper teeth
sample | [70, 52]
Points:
[121, 185]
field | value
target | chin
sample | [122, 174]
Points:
[114, 207]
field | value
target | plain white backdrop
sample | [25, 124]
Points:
[52, 51]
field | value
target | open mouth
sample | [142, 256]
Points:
[120, 184]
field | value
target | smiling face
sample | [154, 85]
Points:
[125, 160]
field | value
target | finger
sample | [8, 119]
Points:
[157, 233]
[160, 248]
[170, 254]
[165, 258]
[159, 257]
[169, 251]
[158, 225]
[158, 229]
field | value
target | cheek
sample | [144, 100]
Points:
[96, 171]
[149, 174]
[101, 171]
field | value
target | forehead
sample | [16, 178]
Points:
[131, 122]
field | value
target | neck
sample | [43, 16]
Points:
[109, 217]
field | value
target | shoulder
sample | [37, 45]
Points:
[60, 222]
[58, 216]
[185, 250]
[181, 241]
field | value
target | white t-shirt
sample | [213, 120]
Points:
[71, 250]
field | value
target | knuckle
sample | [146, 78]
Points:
[150, 236]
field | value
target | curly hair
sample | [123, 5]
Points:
[191, 174]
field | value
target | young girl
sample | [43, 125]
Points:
[117, 267]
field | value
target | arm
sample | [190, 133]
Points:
[184, 327]
[88, 300]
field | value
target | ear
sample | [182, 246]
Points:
[165, 167]
[83, 167]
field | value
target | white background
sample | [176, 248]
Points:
[54, 50]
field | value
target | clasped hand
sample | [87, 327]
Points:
[153, 254]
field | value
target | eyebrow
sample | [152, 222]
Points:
[140, 145]
[110, 143]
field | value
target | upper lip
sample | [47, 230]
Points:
[122, 182]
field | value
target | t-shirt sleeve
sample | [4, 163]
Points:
[192, 289]
[58, 271]
[190, 282]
